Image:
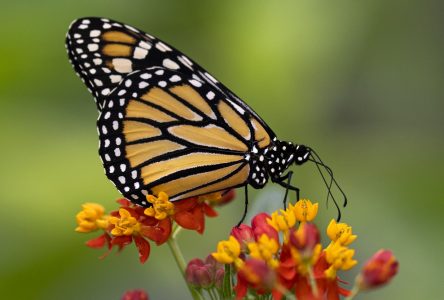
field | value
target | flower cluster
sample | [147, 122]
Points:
[281, 255]
[132, 223]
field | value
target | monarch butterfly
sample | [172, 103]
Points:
[166, 124]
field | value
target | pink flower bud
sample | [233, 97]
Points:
[202, 274]
[135, 295]
[260, 226]
[378, 270]
[244, 235]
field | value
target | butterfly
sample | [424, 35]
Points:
[166, 124]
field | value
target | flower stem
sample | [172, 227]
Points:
[312, 279]
[180, 261]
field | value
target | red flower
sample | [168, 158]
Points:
[255, 274]
[190, 213]
[260, 226]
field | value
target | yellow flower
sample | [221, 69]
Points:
[162, 207]
[340, 232]
[339, 258]
[228, 251]
[91, 218]
[125, 224]
[264, 249]
[283, 221]
[304, 210]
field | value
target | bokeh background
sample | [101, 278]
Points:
[359, 81]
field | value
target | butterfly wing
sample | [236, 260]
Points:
[104, 51]
[161, 130]
[166, 124]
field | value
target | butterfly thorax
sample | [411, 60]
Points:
[270, 162]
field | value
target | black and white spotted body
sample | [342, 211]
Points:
[273, 161]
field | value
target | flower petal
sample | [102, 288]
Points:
[144, 248]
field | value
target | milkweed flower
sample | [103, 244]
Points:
[305, 210]
[228, 251]
[340, 258]
[296, 264]
[340, 232]
[91, 217]
[260, 225]
[131, 223]
[244, 235]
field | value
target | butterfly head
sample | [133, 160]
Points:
[301, 154]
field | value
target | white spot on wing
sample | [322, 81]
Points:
[140, 53]
[168, 63]
[122, 65]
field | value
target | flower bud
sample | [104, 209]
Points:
[202, 274]
[260, 226]
[135, 295]
[219, 278]
[243, 234]
[378, 270]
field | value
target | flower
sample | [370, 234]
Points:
[265, 249]
[125, 224]
[340, 232]
[190, 213]
[282, 221]
[378, 270]
[339, 257]
[91, 218]
[243, 234]
[227, 251]
[305, 246]
[162, 207]
[260, 226]
[304, 210]
[256, 274]
[135, 295]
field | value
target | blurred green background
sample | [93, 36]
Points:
[359, 81]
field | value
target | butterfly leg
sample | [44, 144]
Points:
[288, 175]
[245, 208]
[288, 186]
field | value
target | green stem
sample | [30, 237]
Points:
[353, 292]
[311, 277]
[180, 261]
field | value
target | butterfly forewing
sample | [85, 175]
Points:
[161, 130]
[103, 51]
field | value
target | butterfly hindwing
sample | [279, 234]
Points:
[161, 130]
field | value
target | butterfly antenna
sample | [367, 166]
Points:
[319, 163]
